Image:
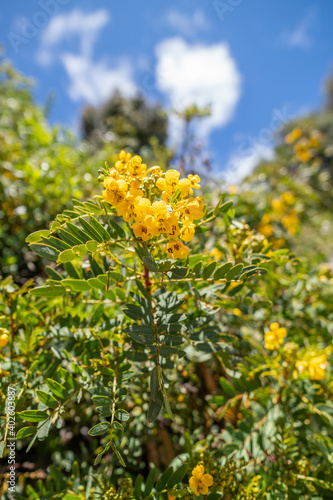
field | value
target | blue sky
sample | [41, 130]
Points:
[258, 62]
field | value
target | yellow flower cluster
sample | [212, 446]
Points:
[199, 481]
[265, 227]
[145, 199]
[314, 365]
[281, 211]
[3, 337]
[274, 337]
[303, 146]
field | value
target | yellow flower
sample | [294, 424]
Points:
[113, 176]
[172, 177]
[3, 339]
[135, 166]
[145, 229]
[155, 171]
[176, 249]
[115, 191]
[159, 210]
[215, 252]
[200, 482]
[127, 208]
[168, 184]
[237, 312]
[314, 142]
[291, 222]
[278, 205]
[293, 135]
[187, 232]
[233, 189]
[190, 210]
[274, 337]
[170, 227]
[185, 188]
[121, 163]
[194, 180]
[288, 198]
[317, 367]
[266, 230]
[143, 208]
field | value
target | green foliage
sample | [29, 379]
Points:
[124, 122]
[132, 369]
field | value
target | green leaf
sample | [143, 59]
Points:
[89, 229]
[201, 229]
[234, 271]
[100, 229]
[66, 256]
[150, 482]
[150, 264]
[52, 273]
[138, 487]
[154, 383]
[99, 429]
[119, 230]
[68, 237]
[163, 480]
[102, 400]
[208, 271]
[114, 276]
[48, 291]
[96, 283]
[122, 415]
[47, 399]
[37, 236]
[76, 285]
[197, 268]
[222, 270]
[33, 415]
[25, 432]
[155, 408]
[166, 351]
[177, 476]
[98, 313]
[43, 429]
[45, 251]
[91, 246]
[56, 243]
[216, 210]
[117, 452]
[77, 232]
[118, 426]
[226, 206]
[227, 387]
[57, 389]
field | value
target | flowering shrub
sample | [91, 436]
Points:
[173, 345]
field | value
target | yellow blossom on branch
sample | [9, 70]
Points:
[314, 365]
[274, 337]
[3, 339]
[199, 481]
[154, 203]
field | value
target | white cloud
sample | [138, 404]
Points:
[89, 80]
[299, 36]
[199, 74]
[63, 27]
[240, 166]
[187, 24]
[94, 81]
